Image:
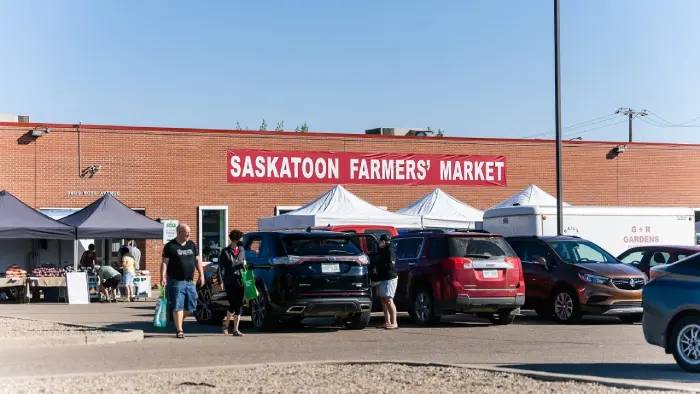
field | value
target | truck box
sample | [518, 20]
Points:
[615, 229]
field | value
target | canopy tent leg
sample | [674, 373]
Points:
[75, 255]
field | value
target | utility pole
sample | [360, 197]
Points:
[557, 118]
[629, 112]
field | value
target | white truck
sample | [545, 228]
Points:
[615, 229]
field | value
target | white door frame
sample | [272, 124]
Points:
[199, 227]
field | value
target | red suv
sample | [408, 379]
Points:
[443, 273]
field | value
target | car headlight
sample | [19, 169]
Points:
[597, 279]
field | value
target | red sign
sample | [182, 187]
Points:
[259, 166]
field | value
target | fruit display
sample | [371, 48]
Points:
[14, 271]
[48, 270]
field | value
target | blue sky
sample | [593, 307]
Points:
[473, 68]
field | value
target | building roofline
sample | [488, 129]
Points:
[31, 125]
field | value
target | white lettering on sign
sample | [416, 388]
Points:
[471, 170]
[380, 169]
[284, 167]
[91, 193]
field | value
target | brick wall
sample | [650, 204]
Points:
[171, 172]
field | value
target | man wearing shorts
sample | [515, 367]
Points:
[180, 258]
[109, 281]
[388, 278]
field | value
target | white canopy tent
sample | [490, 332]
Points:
[438, 209]
[530, 196]
[337, 207]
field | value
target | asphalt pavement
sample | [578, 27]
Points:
[601, 347]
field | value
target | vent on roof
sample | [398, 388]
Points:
[23, 118]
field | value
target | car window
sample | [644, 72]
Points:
[518, 248]
[302, 245]
[536, 250]
[659, 258]
[408, 248]
[253, 247]
[373, 247]
[478, 247]
[576, 251]
[436, 248]
[682, 255]
[692, 262]
[634, 257]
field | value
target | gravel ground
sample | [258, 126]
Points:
[329, 378]
[14, 328]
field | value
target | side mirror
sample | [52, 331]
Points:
[541, 261]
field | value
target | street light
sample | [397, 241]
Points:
[576, 139]
[557, 117]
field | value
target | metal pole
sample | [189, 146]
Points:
[557, 100]
[630, 115]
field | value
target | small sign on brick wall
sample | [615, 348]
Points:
[90, 193]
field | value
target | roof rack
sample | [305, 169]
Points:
[447, 230]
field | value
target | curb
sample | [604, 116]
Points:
[107, 336]
[543, 376]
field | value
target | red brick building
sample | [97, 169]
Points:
[171, 173]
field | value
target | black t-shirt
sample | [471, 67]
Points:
[386, 264]
[182, 260]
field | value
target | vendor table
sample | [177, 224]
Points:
[54, 288]
[18, 286]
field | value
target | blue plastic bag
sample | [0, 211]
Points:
[160, 319]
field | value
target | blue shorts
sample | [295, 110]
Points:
[128, 278]
[182, 295]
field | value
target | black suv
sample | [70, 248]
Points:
[298, 275]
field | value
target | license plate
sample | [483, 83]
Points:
[330, 268]
[490, 273]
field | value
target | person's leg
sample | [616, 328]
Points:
[392, 313]
[176, 298]
[190, 299]
[385, 310]
[238, 308]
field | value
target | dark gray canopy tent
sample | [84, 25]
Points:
[110, 218]
[20, 221]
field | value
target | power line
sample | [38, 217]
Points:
[576, 125]
[631, 114]
[596, 128]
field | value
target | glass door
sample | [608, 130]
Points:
[213, 231]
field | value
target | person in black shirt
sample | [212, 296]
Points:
[180, 258]
[231, 262]
[387, 275]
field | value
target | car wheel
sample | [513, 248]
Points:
[205, 312]
[261, 313]
[631, 319]
[423, 308]
[686, 343]
[502, 318]
[358, 321]
[566, 308]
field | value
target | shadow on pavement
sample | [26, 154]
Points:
[667, 372]
[530, 318]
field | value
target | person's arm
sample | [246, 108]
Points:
[164, 266]
[200, 269]
[223, 265]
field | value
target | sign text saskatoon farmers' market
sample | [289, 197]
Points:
[259, 166]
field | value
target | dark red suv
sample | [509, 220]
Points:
[444, 273]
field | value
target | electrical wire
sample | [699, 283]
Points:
[667, 123]
[576, 125]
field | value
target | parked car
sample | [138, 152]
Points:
[671, 303]
[298, 275]
[646, 257]
[568, 277]
[444, 273]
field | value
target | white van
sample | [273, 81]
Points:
[615, 229]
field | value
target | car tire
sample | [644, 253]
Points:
[423, 308]
[631, 319]
[261, 313]
[686, 329]
[358, 321]
[205, 313]
[502, 318]
[565, 307]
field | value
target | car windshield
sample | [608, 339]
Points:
[303, 245]
[479, 247]
[579, 251]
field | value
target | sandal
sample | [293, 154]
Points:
[180, 335]
[238, 334]
[391, 327]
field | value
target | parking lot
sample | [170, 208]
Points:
[600, 347]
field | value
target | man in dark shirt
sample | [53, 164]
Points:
[387, 275]
[180, 258]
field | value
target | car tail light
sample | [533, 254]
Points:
[286, 260]
[515, 261]
[363, 260]
[453, 263]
